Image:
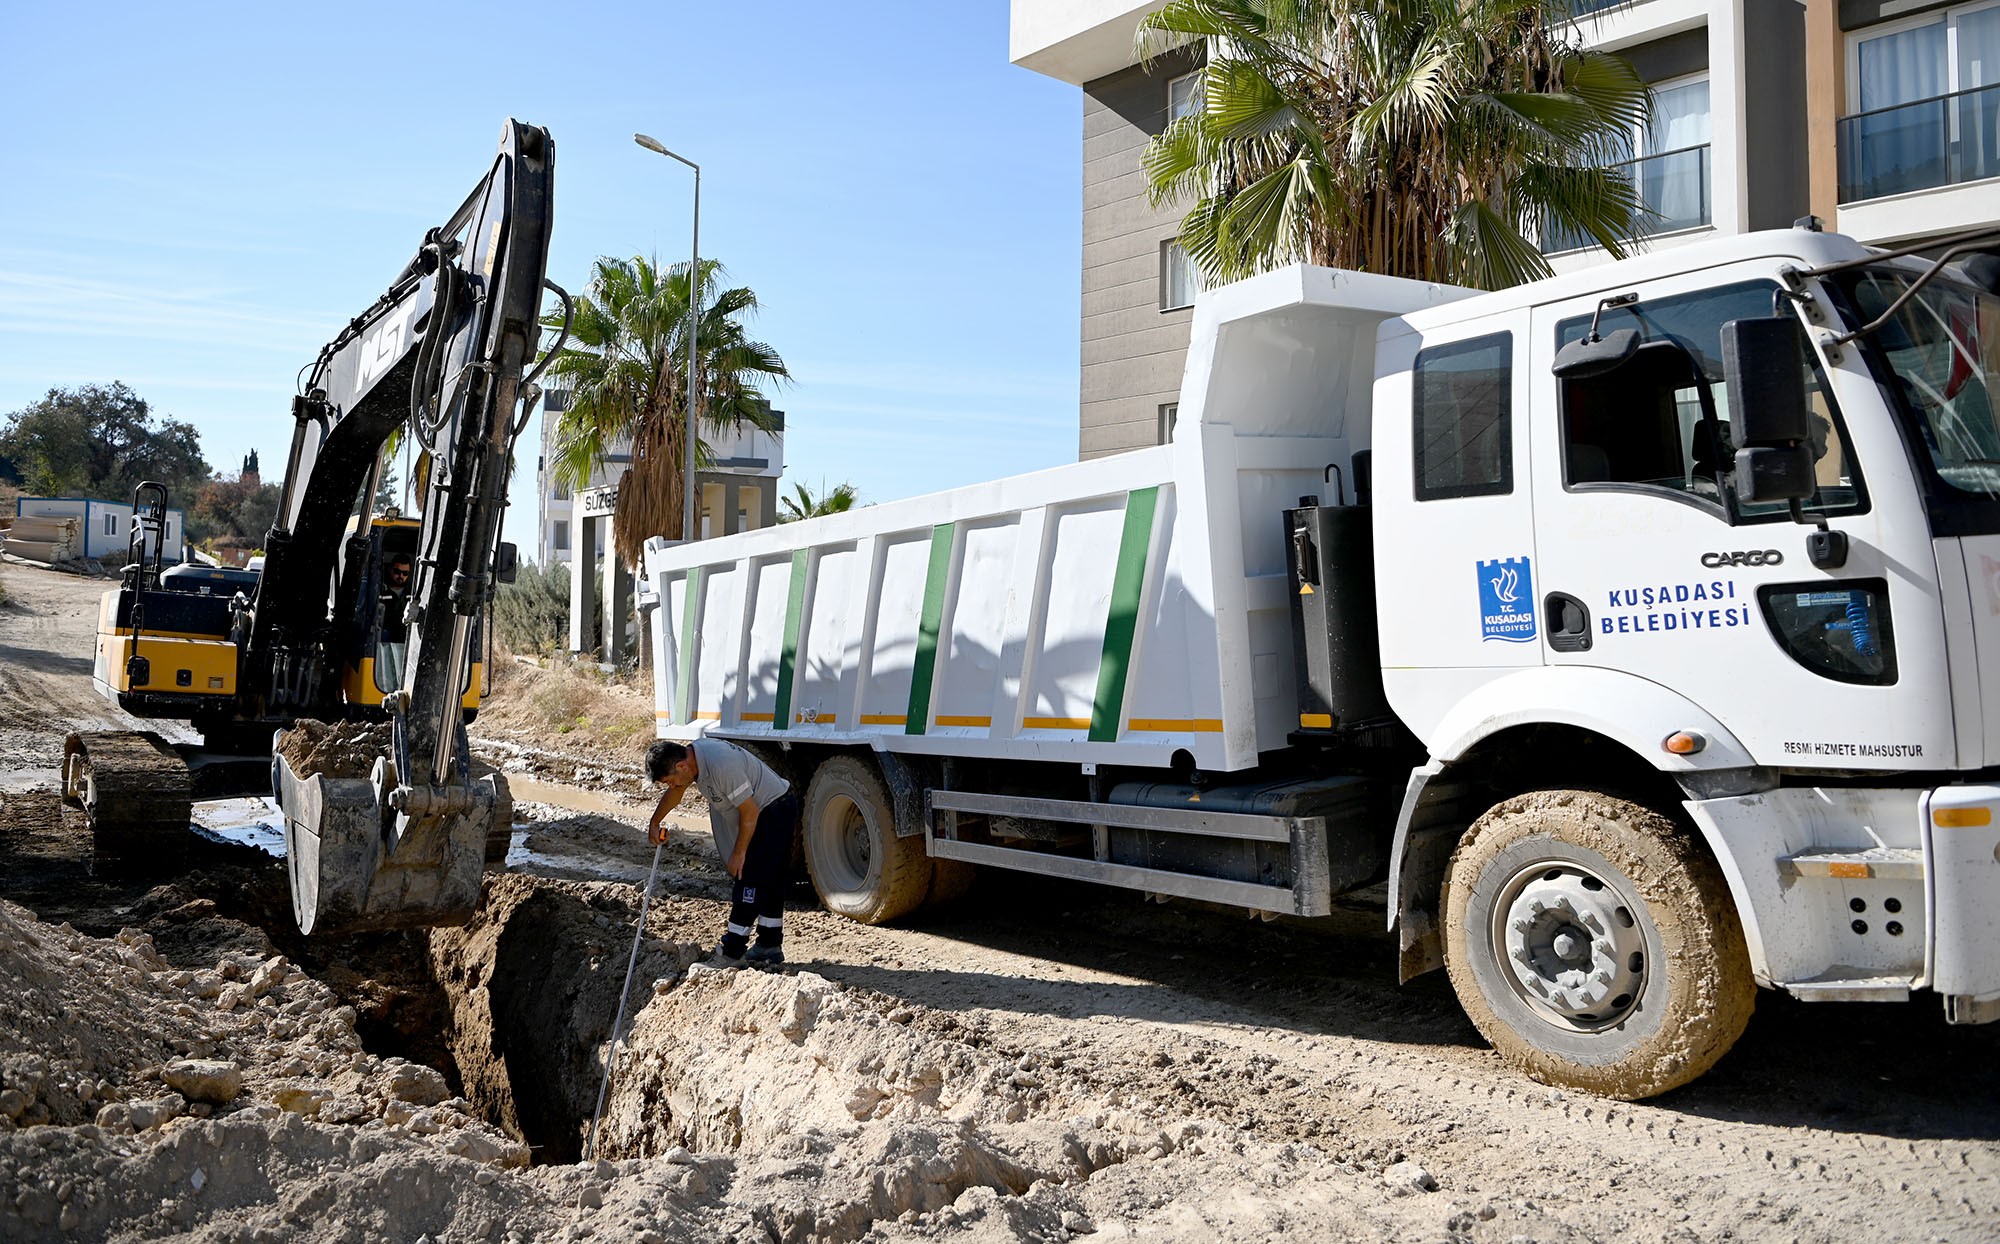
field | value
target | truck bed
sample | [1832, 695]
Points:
[1119, 610]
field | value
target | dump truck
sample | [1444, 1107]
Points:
[1635, 633]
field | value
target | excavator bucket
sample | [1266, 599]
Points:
[352, 873]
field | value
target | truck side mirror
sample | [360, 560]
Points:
[1593, 355]
[1765, 474]
[506, 562]
[1764, 364]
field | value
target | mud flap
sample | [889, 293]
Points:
[346, 875]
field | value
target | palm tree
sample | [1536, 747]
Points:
[1419, 138]
[803, 504]
[625, 366]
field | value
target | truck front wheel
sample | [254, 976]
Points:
[861, 869]
[1595, 944]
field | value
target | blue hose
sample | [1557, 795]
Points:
[1860, 625]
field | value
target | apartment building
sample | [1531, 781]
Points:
[1905, 107]
[1879, 116]
[739, 492]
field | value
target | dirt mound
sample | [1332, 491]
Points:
[346, 749]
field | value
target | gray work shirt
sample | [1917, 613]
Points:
[726, 775]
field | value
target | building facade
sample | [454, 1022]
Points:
[1881, 117]
[738, 493]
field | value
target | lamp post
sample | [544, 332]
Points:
[694, 332]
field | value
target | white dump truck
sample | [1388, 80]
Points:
[1639, 627]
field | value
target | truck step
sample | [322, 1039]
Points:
[1880, 863]
[1845, 984]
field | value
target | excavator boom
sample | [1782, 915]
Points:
[444, 355]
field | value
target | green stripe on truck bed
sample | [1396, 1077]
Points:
[925, 666]
[690, 607]
[1127, 581]
[788, 657]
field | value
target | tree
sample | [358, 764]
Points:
[243, 509]
[101, 441]
[626, 370]
[803, 504]
[1419, 138]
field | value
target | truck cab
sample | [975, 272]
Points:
[1585, 595]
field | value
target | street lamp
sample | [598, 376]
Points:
[694, 332]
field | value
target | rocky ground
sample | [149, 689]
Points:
[1039, 1062]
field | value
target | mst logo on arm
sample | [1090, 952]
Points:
[1743, 557]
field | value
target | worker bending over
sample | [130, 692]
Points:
[753, 813]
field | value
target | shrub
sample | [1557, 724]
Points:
[531, 614]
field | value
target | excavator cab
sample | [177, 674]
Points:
[382, 571]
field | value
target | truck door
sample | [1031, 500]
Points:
[1454, 534]
[1649, 564]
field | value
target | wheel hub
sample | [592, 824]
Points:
[1573, 946]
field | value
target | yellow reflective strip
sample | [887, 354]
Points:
[1961, 818]
[1838, 869]
[1316, 721]
[1056, 723]
[760, 717]
[884, 719]
[824, 719]
[1176, 725]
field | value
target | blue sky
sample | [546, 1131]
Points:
[200, 196]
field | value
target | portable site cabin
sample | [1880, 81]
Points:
[107, 525]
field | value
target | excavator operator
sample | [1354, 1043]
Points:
[394, 634]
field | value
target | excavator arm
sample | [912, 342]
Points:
[444, 355]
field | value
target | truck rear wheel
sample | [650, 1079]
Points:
[1594, 944]
[861, 869]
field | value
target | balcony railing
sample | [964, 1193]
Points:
[1934, 142]
[1673, 190]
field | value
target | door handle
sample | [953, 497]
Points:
[1566, 620]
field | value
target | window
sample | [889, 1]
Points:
[1462, 417]
[1180, 280]
[1184, 96]
[1926, 101]
[1667, 162]
[1169, 414]
[559, 492]
[1838, 630]
[1661, 420]
[560, 540]
[111, 524]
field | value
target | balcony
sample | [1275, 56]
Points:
[1674, 191]
[1943, 141]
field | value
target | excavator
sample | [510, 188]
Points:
[445, 358]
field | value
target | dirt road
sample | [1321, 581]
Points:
[1040, 1062]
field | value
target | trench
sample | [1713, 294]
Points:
[514, 1008]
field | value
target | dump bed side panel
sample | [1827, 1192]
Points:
[1115, 611]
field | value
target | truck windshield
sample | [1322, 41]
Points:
[1942, 352]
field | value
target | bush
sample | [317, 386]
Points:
[531, 614]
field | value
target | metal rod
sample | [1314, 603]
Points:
[694, 334]
[618, 1024]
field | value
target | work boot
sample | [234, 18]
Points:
[765, 956]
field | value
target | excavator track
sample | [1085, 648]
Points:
[136, 792]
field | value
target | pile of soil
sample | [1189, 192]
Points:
[346, 749]
[114, 1058]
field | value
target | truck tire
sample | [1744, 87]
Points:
[860, 868]
[1594, 944]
